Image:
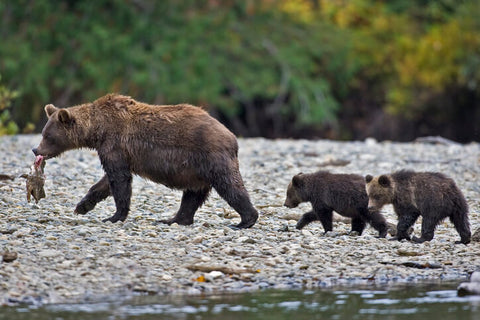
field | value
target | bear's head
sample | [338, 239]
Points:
[58, 135]
[379, 190]
[295, 191]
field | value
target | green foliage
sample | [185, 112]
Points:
[7, 126]
[268, 66]
[224, 56]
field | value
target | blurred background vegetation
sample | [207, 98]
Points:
[333, 69]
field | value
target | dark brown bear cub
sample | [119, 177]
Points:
[180, 146]
[428, 194]
[328, 192]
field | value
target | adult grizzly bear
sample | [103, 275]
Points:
[431, 195]
[180, 146]
[328, 192]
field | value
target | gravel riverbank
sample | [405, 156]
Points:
[66, 258]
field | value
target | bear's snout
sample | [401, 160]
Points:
[35, 151]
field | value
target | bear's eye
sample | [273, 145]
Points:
[49, 138]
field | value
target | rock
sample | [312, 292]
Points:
[8, 256]
[407, 253]
[470, 288]
[213, 275]
[475, 277]
[476, 235]
[306, 233]
[49, 253]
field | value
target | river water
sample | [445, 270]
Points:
[420, 301]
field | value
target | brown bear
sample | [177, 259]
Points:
[328, 192]
[431, 195]
[180, 146]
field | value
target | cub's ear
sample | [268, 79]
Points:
[384, 181]
[50, 109]
[297, 180]
[368, 178]
[64, 116]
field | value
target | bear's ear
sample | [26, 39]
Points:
[50, 109]
[384, 181]
[297, 180]
[64, 116]
[368, 178]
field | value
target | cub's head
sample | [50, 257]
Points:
[295, 191]
[58, 135]
[379, 190]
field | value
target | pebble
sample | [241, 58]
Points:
[69, 258]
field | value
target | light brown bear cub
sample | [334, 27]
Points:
[180, 146]
[328, 192]
[428, 194]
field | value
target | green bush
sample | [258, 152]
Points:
[7, 125]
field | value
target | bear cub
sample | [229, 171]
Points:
[428, 194]
[180, 146]
[328, 192]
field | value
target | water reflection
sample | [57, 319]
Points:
[424, 302]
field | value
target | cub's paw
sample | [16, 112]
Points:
[242, 225]
[382, 234]
[116, 217]
[397, 238]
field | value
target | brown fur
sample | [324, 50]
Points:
[180, 146]
[428, 194]
[328, 192]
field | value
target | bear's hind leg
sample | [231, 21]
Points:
[376, 220]
[308, 217]
[191, 201]
[230, 187]
[462, 225]
[428, 230]
[358, 225]
[98, 192]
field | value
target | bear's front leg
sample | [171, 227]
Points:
[306, 219]
[326, 218]
[405, 221]
[98, 192]
[120, 181]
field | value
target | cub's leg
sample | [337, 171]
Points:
[405, 221]
[325, 216]
[428, 229]
[376, 220]
[462, 225]
[308, 217]
[358, 225]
